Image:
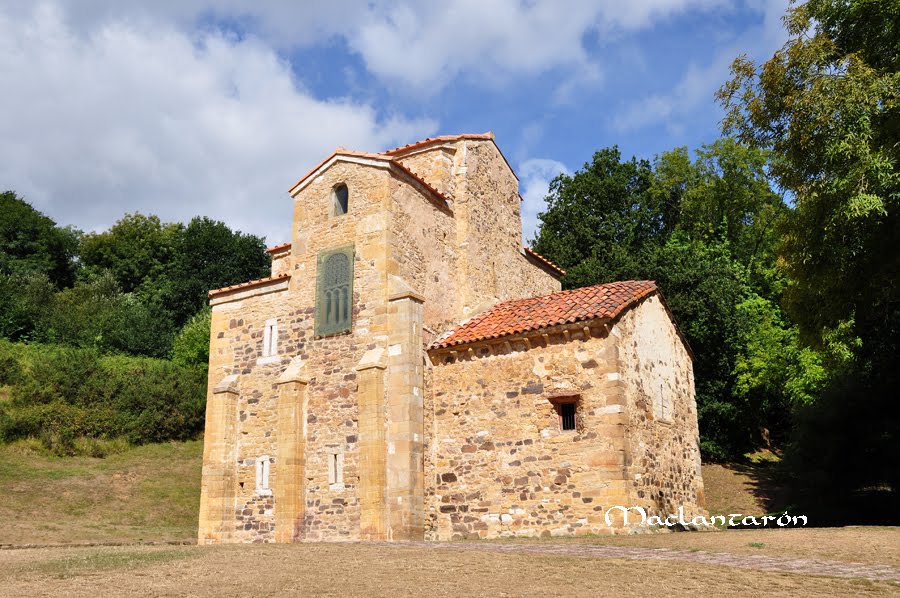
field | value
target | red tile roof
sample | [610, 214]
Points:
[605, 301]
[248, 284]
[529, 252]
[279, 248]
[434, 140]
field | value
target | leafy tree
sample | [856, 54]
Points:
[828, 107]
[136, 249]
[24, 299]
[600, 220]
[96, 314]
[209, 255]
[32, 243]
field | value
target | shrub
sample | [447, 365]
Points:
[66, 396]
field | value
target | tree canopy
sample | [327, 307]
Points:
[827, 105]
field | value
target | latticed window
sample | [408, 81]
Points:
[334, 291]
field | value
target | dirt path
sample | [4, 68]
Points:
[761, 563]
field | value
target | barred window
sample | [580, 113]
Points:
[567, 411]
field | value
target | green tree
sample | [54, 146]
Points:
[96, 314]
[209, 255]
[828, 107]
[30, 242]
[600, 221]
[136, 249]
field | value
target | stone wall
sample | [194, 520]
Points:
[662, 452]
[498, 461]
[424, 254]
[237, 332]
[487, 249]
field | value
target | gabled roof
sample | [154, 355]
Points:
[429, 141]
[403, 149]
[380, 161]
[279, 248]
[602, 301]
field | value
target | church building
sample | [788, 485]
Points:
[410, 370]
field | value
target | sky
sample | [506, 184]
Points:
[182, 108]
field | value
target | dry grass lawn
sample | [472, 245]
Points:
[365, 570]
[145, 493]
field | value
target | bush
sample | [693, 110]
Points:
[191, 346]
[65, 396]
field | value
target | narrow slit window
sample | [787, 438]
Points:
[270, 339]
[663, 407]
[341, 197]
[262, 475]
[335, 469]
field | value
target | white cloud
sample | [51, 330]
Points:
[423, 46]
[697, 86]
[136, 115]
[535, 176]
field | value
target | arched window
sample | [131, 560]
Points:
[340, 196]
[334, 291]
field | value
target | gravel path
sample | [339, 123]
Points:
[757, 562]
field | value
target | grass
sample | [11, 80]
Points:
[86, 562]
[146, 493]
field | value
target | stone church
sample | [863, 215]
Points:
[411, 371]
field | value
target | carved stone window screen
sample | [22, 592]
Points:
[334, 291]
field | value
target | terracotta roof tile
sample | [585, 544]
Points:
[433, 140]
[279, 248]
[248, 284]
[522, 315]
[534, 254]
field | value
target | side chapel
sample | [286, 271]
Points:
[411, 371]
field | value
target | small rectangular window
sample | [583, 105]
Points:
[262, 475]
[270, 339]
[567, 416]
[335, 469]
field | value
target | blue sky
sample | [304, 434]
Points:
[188, 107]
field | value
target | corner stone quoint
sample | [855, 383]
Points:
[411, 371]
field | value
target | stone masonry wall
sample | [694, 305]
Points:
[498, 463]
[662, 454]
[332, 424]
[482, 245]
[423, 249]
[490, 211]
[236, 349]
